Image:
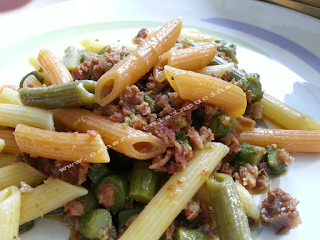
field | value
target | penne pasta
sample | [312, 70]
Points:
[191, 33]
[53, 67]
[175, 194]
[10, 201]
[35, 64]
[216, 70]
[84, 147]
[229, 214]
[15, 173]
[138, 63]
[294, 141]
[95, 45]
[46, 197]
[11, 115]
[13, 87]
[248, 203]
[285, 115]
[246, 200]
[187, 59]
[11, 145]
[10, 96]
[122, 138]
[194, 86]
[2, 144]
[6, 159]
[31, 82]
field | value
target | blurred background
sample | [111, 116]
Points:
[309, 7]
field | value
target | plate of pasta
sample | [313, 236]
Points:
[200, 127]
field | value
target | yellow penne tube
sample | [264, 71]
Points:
[175, 194]
[11, 115]
[6, 159]
[2, 144]
[285, 115]
[195, 86]
[53, 67]
[93, 45]
[46, 197]
[119, 136]
[10, 96]
[216, 70]
[248, 203]
[84, 147]
[138, 63]
[190, 33]
[35, 64]
[195, 35]
[13, 87]
[11, 145]
[294, 141]
[32, 82]
[187, 59]
[10, 201]
[15, 173]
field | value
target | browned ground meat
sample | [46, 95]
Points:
[284, 157]
[195, 138]
[75, 208]
[99, 64]
[249, 96]
[107, 195]
[232, 142]
[263, 181]
[227, 169]
[254, 111]
[247, 176]
[170, 231]
[192, 209]
[141, 36]
[279, 211]
[75, 174]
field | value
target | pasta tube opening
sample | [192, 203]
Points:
[158, 70]
[144, 147]
[135, 65]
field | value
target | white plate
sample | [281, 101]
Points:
[280, 44]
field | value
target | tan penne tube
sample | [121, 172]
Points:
[294, 141]
[11, 115]
[53, 67]
[17, 172]
[138, 63]
[11, 145]
[195, 86]
[10, 96]
[84, 147]
[171, 199]
[6, 159]
[187, 59]
[285, 115]
[119, 136]
[46, 197]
